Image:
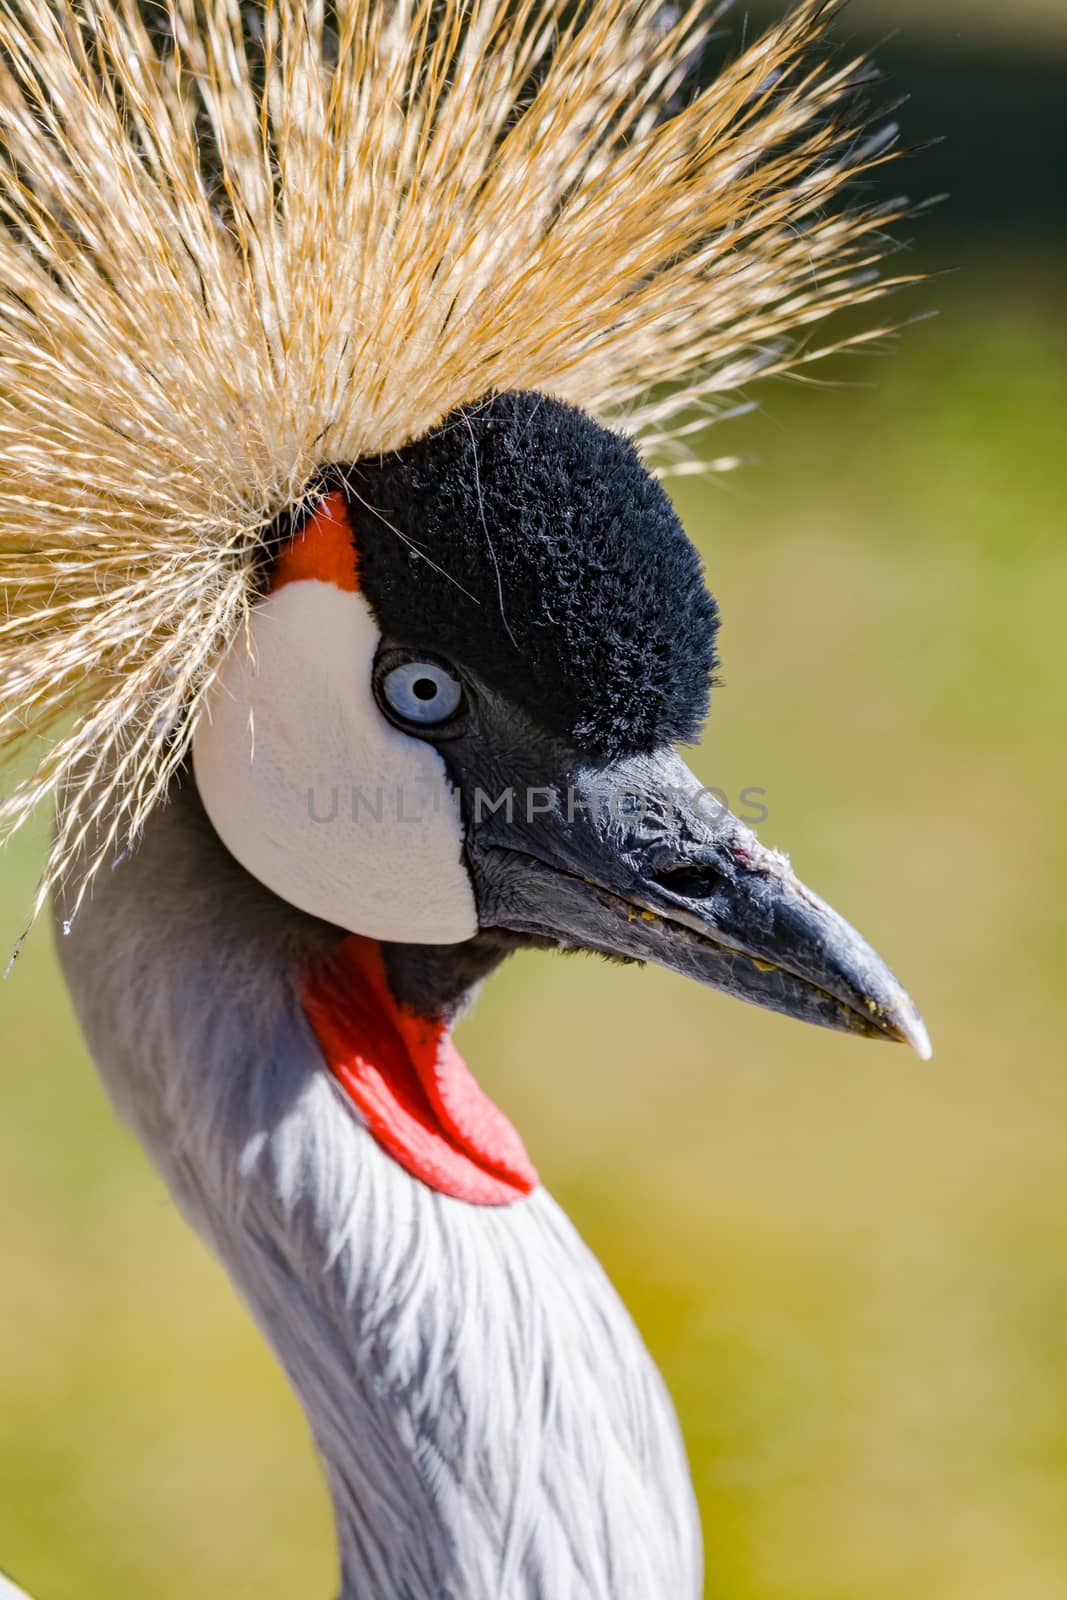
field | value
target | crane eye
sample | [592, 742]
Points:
[420, 693]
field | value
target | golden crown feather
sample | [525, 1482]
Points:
[241, 242]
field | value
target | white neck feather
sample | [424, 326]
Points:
[491, 1424]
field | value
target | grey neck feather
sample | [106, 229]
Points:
[491, 1425]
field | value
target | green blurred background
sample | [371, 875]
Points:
[852, 1267]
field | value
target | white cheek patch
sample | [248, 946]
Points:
[314, 792]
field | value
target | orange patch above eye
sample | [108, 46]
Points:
[324, 549]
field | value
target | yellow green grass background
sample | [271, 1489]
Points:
[851, 1266]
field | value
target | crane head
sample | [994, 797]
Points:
[453, 727]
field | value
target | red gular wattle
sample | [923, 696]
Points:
[410, 1084]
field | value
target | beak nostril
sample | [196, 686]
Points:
[692, 880]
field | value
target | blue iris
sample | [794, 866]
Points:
[422, 691]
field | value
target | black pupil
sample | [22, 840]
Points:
[424, 689]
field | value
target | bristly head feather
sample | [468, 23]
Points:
[254, 240]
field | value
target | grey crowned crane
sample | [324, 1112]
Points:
[340, 351]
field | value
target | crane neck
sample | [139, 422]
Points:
[485, 1410]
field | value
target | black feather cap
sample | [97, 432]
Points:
[528, 544]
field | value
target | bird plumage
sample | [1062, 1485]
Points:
[327, 334]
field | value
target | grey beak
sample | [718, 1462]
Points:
[636, 860]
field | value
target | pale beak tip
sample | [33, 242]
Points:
[911, 1029]
[921, 1044]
